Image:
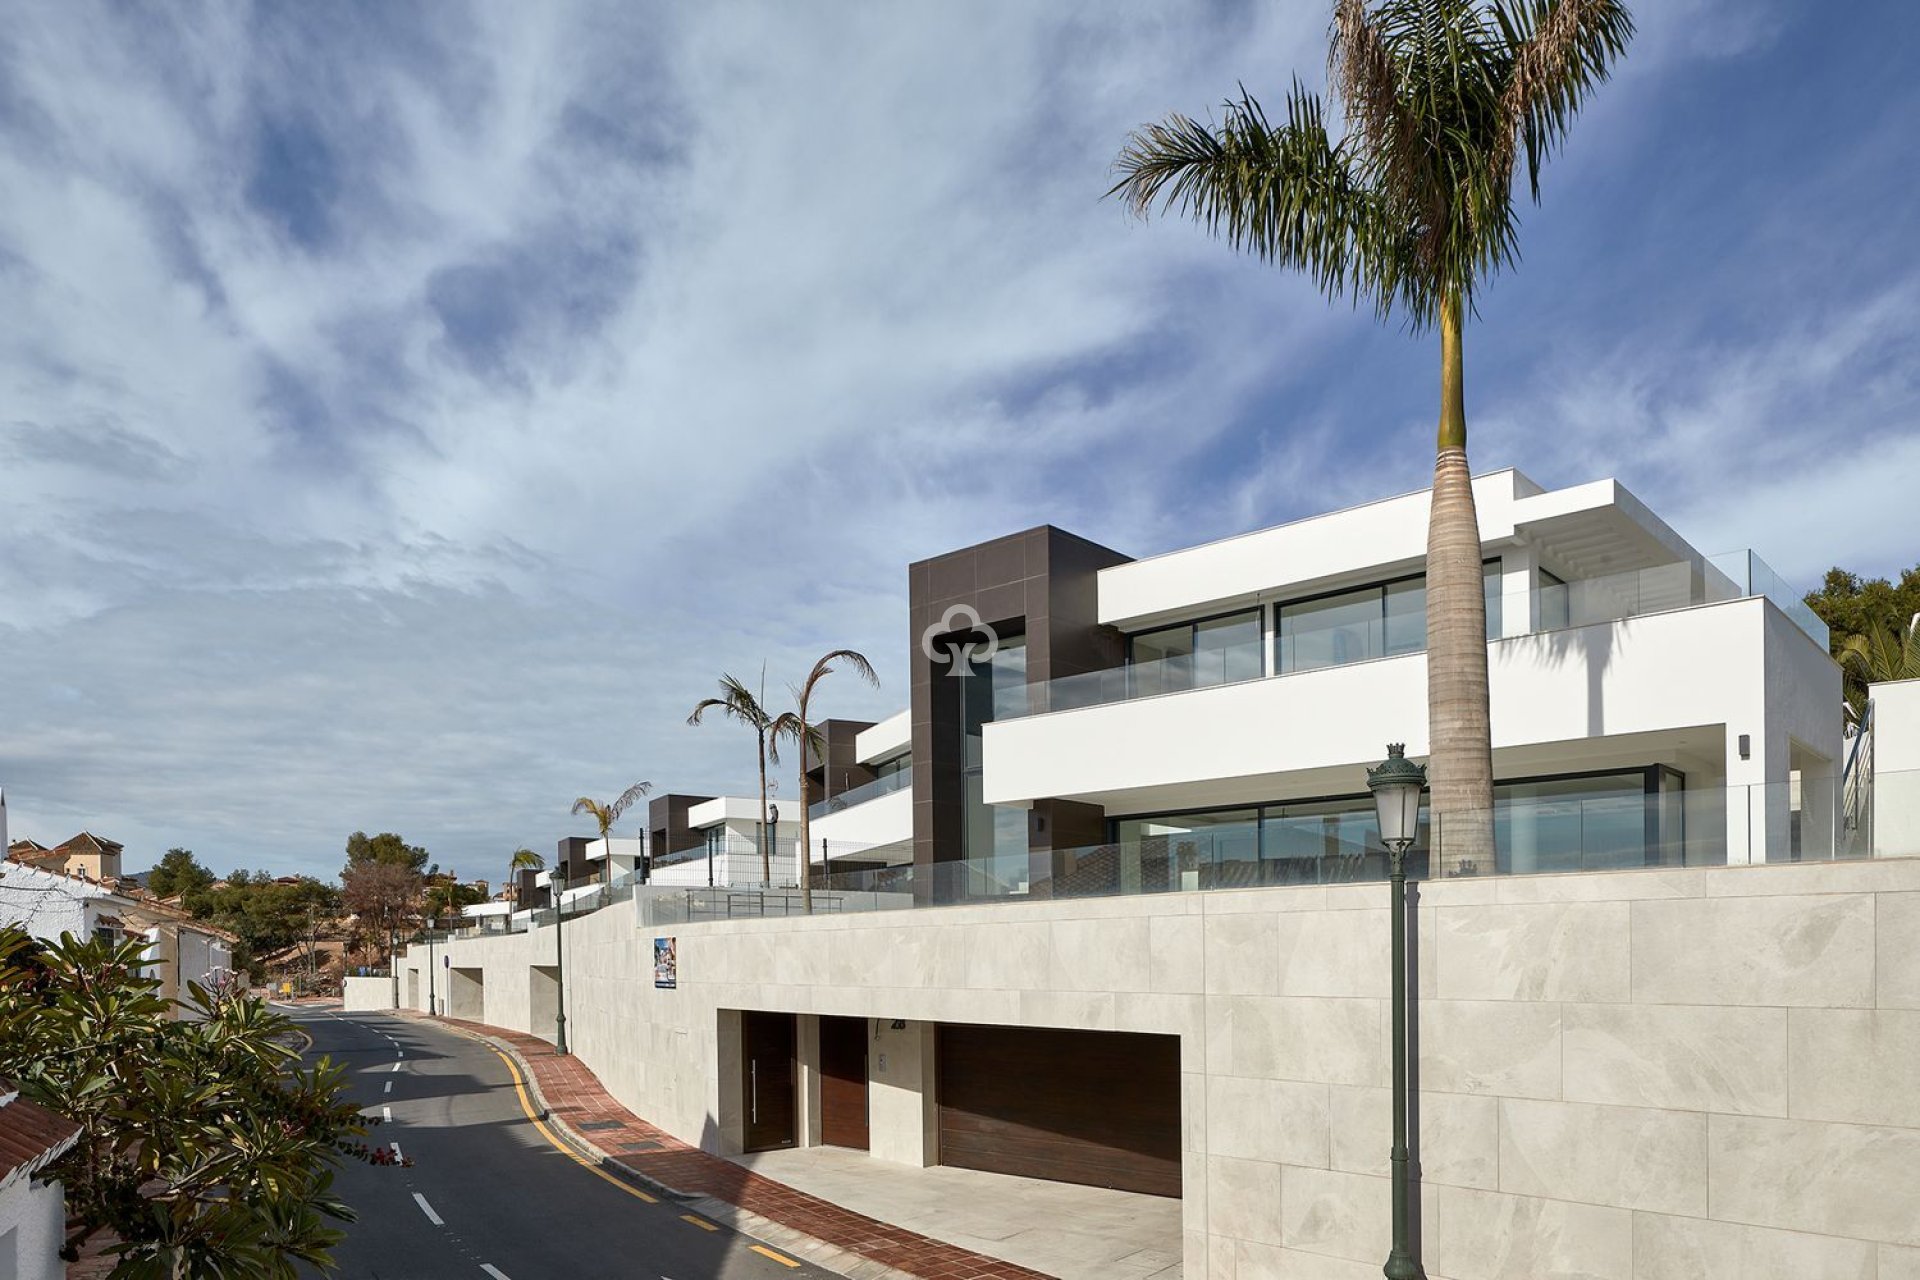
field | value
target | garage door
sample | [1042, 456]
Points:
[1095, 1107]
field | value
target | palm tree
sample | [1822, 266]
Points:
[608, 814]
[1410, 210]
[523, 859]
[798, 726]
[737, 702]
[1882, 654]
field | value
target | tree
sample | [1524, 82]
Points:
[385, 847]
[1858, 609]
[1882, 654]
[446, 895]
[798, 726]
[523, 859]
[1411, 210]
[385, 896]
[737, 702]
[204, 1146]
[179, 872]
[608, 814]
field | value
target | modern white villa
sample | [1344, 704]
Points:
[1103, 905]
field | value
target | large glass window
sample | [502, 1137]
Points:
[1382, 620]
[1191, 655]
[1189, 851]
[994, 837]
[1556, 602]
[1572, 822]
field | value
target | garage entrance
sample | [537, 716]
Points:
[767, 1042]
[1100, 1108]
[843, 1082]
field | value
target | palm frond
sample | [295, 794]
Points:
[628, 797]
[785, 725]
[824, 668]
[1369, 82]
[586, 804]
[1284, 193]
[1562, 49]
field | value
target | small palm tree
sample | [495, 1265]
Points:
[737, 702]
[523, 859]
[1882, 654]
[798, 726]
[608, 814]
[1412, 209]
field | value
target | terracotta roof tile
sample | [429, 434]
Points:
[30, 1135]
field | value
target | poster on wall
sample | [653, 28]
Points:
[666, 963]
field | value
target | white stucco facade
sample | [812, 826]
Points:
[32, 1229]
[48, 904]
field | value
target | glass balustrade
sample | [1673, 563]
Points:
[884, 785]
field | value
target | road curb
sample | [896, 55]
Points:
[819, 1252]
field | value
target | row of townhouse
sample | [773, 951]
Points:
[1102, 905]
[77, 887]
[1202, 718]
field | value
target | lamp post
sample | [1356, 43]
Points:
[1396, 784]
[557, 885]
[431, 922]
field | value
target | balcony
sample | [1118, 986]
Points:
[885, 785]
[1337, 634]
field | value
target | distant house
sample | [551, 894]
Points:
[76, 888]
[85, 854]
[33, 1212]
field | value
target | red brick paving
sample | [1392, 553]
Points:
[574, 1094]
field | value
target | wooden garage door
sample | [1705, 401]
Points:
[1095, 1107]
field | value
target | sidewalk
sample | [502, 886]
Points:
[816, 1229]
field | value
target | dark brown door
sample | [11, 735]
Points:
[1094, 1107]
[767, 1043]
[843, 1082]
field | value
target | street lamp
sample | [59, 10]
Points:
[1396, 784]
[556, 884]
[431, 922]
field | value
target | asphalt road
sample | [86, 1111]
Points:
[488, 1197]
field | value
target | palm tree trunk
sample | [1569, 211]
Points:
[766, 833]
[1459, 722]
[806, 822]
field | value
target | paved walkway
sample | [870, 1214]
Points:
[1069, 1231]
[574, 1097]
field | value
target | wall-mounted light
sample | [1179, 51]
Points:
[1746, 746]
[899, 1024]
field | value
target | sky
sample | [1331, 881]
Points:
[410, 411]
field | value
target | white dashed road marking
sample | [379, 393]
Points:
[386, 1113]
[427, 1209]
[389, 1088]
[494, 1271]
[396, 1151]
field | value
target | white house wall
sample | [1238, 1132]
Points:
[32, 1229]
[1896, 766]
[1623, 1075]
[887, 819]
[884, 740]
[47, 904]
[1385, 537]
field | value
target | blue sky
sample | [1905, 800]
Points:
[412, 410]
